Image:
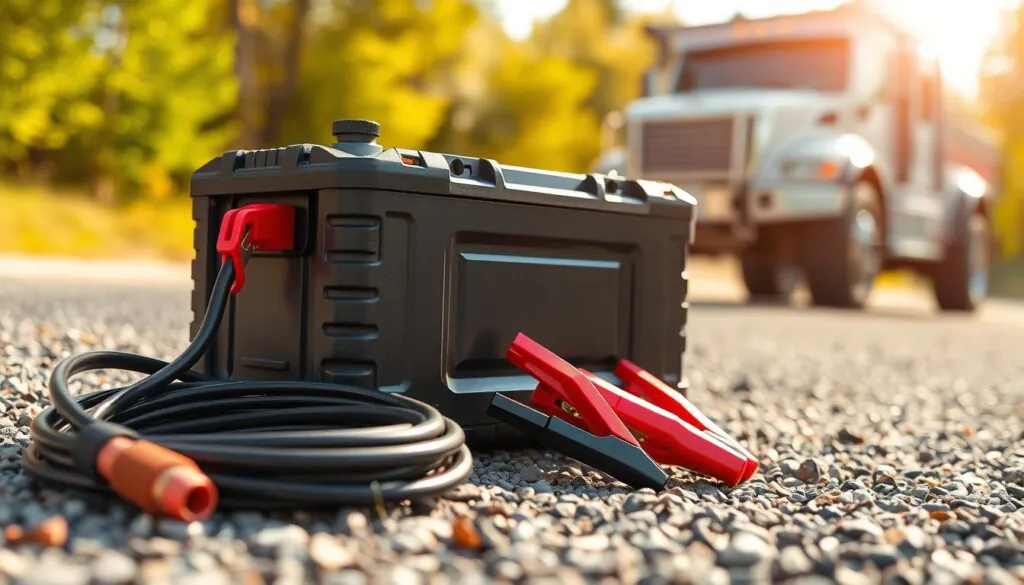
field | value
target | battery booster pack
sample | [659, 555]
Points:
[414, 271]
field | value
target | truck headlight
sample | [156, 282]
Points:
[809, 169]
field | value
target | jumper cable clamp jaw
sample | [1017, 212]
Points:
[638, 428]
[599, 439]
[262, 227]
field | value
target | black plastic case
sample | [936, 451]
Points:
[415, 270]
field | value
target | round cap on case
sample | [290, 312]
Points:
[355, 130]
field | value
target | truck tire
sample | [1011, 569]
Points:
[843, 256]
[960, 281]
[767, 278]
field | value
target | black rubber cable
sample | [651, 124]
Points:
[266, 444]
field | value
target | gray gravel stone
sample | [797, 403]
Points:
[793, 561]
[112, 567]
[744, 550]
[810, 471]
[542, 487]
[531, 474]
[346, 577]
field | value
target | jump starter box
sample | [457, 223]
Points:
[413, 272]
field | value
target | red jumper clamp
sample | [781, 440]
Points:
[669, 431]
[673, 441]
[645, 385]
[601, 441]
[267, 227]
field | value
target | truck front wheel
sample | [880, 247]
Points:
[843, 256]
[960, 281]
[767, 277]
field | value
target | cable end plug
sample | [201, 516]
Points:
[160, 481]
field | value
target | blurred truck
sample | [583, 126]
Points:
[820, 147]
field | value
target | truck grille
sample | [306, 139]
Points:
[686, 146]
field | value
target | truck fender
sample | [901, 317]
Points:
[853, 174]
[966, 193]
[860, 162]
[854, 155]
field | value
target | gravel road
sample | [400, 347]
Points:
[892, 450]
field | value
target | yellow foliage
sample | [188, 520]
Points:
[381, 60]
[151, 92]
[616, 52]
[41, 221]
[535, 113]
[1008, 216]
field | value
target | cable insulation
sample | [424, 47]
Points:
[266, 444]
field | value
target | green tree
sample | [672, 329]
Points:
[538, 115]
[46, 68]
[597, 36]
[594, 34]
[1002, 98]
[270, 38]
[388, 60]
[530, 110]
[165, 87]
[127, 97]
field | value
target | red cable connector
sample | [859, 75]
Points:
[263, 227]
[160, 481]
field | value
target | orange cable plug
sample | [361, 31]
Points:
[160, 481]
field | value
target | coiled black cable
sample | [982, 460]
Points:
[266, 445]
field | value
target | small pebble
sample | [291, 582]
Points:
[113, 567]
[810, 471]
[328, 553]
[531, 474]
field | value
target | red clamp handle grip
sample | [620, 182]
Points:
[267, 227]
[647, 386]
[673, 441]
[560, 377]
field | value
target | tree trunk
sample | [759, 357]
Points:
[283, 94]
[244, 19]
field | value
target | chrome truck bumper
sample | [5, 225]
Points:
[726, 223]
[784, 202]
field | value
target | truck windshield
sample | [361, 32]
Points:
[817, 64]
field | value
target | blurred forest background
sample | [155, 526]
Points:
[106, 107]
[112, 105]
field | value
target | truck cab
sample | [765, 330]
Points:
[820, 148]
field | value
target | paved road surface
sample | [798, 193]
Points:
[891, 443]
